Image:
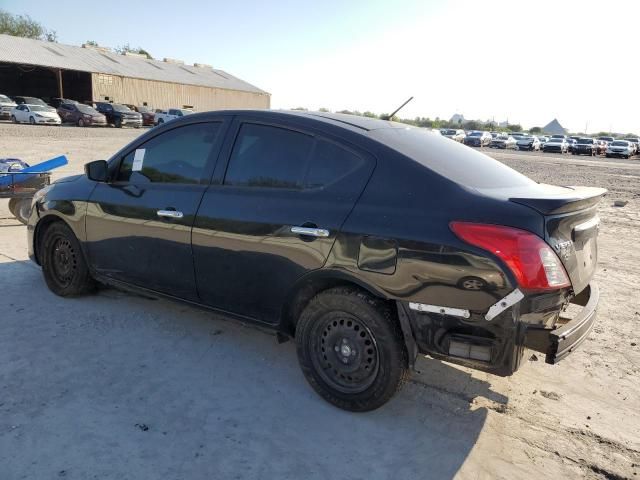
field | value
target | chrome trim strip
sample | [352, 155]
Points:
[455, 312]
[500, 306]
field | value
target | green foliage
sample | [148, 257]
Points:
[25, 26]
[302, 109]
[91, 43]
[325, 110]
[122, 49]
[535, 130]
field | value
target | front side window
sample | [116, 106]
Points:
[267, 156]
[177, 156]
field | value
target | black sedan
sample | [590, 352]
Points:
[586, 146]
[366, 241]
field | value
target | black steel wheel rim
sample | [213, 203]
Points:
[64, 262]
[344, 352]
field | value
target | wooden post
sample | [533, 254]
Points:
[59, 75]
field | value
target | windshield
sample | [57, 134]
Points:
[585, 141]
[452, 160]
[606, 139]
[475, 134]
[86, 109]
[526, 137]
[38, 108]
[186, 112]
[33, 101]
[4, 98]
[556, 140]
[503, 137]
[121, 108]
[620, 143]
[144, 109]
[448, 132]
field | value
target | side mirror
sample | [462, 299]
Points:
[97, 170]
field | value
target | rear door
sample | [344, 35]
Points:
[272, 214]
[139, 224]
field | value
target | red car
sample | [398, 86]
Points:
[80, 114]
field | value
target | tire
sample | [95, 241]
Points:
[14, 119]
[472, 283]
[361, 332]
[118, 123]
[20, 208]
[32, 120]
[63, 264]
[160, 122]
[80, 122]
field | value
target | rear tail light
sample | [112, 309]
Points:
[534, 264]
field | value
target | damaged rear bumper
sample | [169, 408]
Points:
[557, 343]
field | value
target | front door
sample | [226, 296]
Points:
[139, 223]
[273, 215]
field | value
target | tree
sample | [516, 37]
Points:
[302, 109]
[514, 127]
[535, 130]
[91, 43]
[325, 110]
[25, 26]
[126, 48]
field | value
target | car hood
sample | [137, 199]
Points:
[526, 141]
[70, 178]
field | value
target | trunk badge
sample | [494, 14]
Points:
[563, 249]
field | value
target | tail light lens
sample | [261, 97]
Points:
[534, 264]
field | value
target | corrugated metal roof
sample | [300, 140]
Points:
[26, 51]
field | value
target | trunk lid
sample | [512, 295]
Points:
[571, 225]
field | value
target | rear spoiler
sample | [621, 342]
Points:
[576, 198]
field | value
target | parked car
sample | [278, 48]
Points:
[56, 102]
[171, 114]
[119, 115]
[571, 142]
[33, 101]
[586, 146]
[276, 220]
[619, 148]
[559, 136]
[575, 137]
[528, 142]
[457, 135]
[6, 106]
[635, 141]
[148, 115]
[607, 139]
[34, 114]
[478, 139]
[543, 139]
[81, 115]
[503, 141]
[556, 144]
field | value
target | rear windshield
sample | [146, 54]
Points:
[452, 160]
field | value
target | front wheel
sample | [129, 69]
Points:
[63, 265]
[14, 119]
[80, 122]
[118, 123]
[32, 120]
[351, 349]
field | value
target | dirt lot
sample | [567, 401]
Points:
[117, 386]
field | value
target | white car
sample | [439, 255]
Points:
[35, 114]
[619, 148]
[172, 113]
[528, 142]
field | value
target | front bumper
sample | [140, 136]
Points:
[48, 121]
[557, 343]
[583, 151]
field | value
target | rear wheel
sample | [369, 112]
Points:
[118, 123]
[14, 119]
[350, 349]
[20, 208]
[63, 265]
[80, 122]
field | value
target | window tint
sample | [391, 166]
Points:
[329, 164]
[266, 156]
[177, 156]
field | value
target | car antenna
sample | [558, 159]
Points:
[389, 117]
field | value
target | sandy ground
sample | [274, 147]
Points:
[116, 386]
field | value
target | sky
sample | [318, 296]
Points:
[525, 62]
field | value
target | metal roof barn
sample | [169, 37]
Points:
[46, 69]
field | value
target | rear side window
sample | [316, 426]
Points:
[177, 156]
[329, 164]
[267, 156]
